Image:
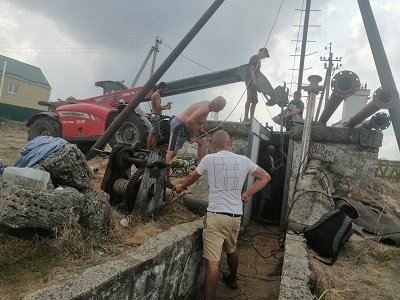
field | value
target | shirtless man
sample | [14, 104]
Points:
[156, 111]
[188, 126]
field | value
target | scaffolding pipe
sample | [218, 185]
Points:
[148, 86]
[344, 84]
[382, 99]
[379, 121]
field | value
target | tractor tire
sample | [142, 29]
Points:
[133, 132]
[44, 126]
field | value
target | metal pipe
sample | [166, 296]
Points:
[148, 86]
[381, 63]
[343, 84]
[2, 78]
[383, 98]
[379, 121]
[313, 89]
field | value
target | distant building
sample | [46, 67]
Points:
[24, 85]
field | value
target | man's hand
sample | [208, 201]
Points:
[179, 188]
[193, 139]
[245, 197]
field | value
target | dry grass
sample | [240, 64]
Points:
[365, 269]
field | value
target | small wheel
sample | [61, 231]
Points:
[133, 132]
[133, 188]
[44, 126]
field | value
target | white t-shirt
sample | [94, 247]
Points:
[227, 173]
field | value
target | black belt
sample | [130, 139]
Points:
[225, 213]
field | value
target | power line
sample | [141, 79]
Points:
[193, 61]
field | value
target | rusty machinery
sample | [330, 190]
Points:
[382, 99]
[143, 190]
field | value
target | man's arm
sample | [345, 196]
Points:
[189, 180]
[261, 179]
[253, 76]
[293, 112]
[195, 121]
[156, 103]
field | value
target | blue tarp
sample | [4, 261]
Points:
[37, 149]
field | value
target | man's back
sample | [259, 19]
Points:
[201, 106]
[227, 173]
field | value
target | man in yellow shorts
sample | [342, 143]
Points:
[227, 173]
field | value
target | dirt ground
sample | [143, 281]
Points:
[30, 265]
[364, 269]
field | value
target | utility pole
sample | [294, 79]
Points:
[330, 68]
[304, 45]
[156, 49]
[153, 50]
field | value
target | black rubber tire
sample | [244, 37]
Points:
[44, 126]
[133, 131]
[133, 188]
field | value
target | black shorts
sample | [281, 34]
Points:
[252, 94]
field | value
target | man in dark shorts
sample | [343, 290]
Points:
[251, 81]
[294, 111]
[156, 111]
[188, 126]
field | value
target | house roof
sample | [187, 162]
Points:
[23, 71]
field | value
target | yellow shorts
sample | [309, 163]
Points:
[219, 231]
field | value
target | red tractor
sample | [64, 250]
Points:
[82, 122]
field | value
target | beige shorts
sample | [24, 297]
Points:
[219, 231]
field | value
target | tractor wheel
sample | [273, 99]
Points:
[132, 132]
[44, 126]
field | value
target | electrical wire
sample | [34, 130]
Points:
[244, 91]
[193, 61]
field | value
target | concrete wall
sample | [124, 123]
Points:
[239, 133]
[168, 266]
[351, 153]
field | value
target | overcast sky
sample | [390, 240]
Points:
[77, 43]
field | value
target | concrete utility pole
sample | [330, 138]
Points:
[328, 76]
[154, 49]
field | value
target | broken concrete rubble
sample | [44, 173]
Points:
[47, 209]
[68, 166]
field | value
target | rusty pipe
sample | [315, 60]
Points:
[379, 121]
[344, 84]
[382, 99]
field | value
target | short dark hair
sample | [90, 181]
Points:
[162, 84]
[297, 93]
[264, 50]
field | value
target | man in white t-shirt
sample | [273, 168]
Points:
[227, 173]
